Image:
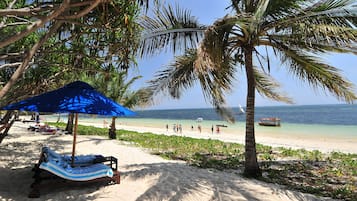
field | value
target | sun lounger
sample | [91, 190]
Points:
[86, 168]
[43, 128]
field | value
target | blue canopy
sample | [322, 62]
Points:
[76, 97]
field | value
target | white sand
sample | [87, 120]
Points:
[143, 176]
[313, 142]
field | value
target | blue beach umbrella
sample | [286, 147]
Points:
[76, 97]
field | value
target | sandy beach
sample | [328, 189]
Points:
[323, 143]
[326, 140]
[143, 176]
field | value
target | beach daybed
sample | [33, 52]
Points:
[85, 168]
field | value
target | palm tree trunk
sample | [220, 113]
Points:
[69, 127]
[251, 163]
[112, 133]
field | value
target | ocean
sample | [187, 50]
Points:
[309, 114]
[337, 121]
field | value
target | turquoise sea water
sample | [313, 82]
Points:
[339, 121]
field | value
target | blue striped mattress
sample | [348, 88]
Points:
[82, 173]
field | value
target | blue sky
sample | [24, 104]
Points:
[209, 10]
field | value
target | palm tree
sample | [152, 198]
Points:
[243, 42]
[116, 86]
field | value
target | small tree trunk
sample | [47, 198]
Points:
[6, 117]
[112, 130]
[251, 163]
[69, 126]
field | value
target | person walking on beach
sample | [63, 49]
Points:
[199, 128]
[212, 129]
[37, 117]
[180, 128]
[167, 127]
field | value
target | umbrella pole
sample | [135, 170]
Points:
[74, 137]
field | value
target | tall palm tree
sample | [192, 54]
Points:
[243, 42]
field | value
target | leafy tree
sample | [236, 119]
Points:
[116, 86]
[244, 42]
[67, 35]
[55, 41]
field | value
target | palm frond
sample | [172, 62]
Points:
[219, 45]
[318, 74]
[278, 9]
[319, 38]
[169, 27]
[177, 76]
[184, 72]
[341, 13]
[261, 9]
[267, 85]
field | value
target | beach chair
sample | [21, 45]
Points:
[86, 168]
[6, 127]
[43, 128]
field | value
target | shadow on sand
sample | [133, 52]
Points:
[178, 181]
[171, 181]
[16, 162]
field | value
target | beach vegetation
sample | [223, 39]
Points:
[52, 43]
[244, 42]
[116, 85]
[48, 43]
[332, 175]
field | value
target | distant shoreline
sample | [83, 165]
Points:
[303, 137]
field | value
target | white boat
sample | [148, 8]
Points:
[199, 119]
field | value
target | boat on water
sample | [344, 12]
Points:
[270, 121]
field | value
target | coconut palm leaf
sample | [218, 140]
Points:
[267, 86]
[178, 76]
[318, 74]
[170, 27]
[184, 72]
[341, 13]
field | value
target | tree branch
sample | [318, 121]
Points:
[4, 19]
[21, 69]
[10, 65]
[15, 24]
[82, 13]
[11, 55]
[29, 12]
[34, 27]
